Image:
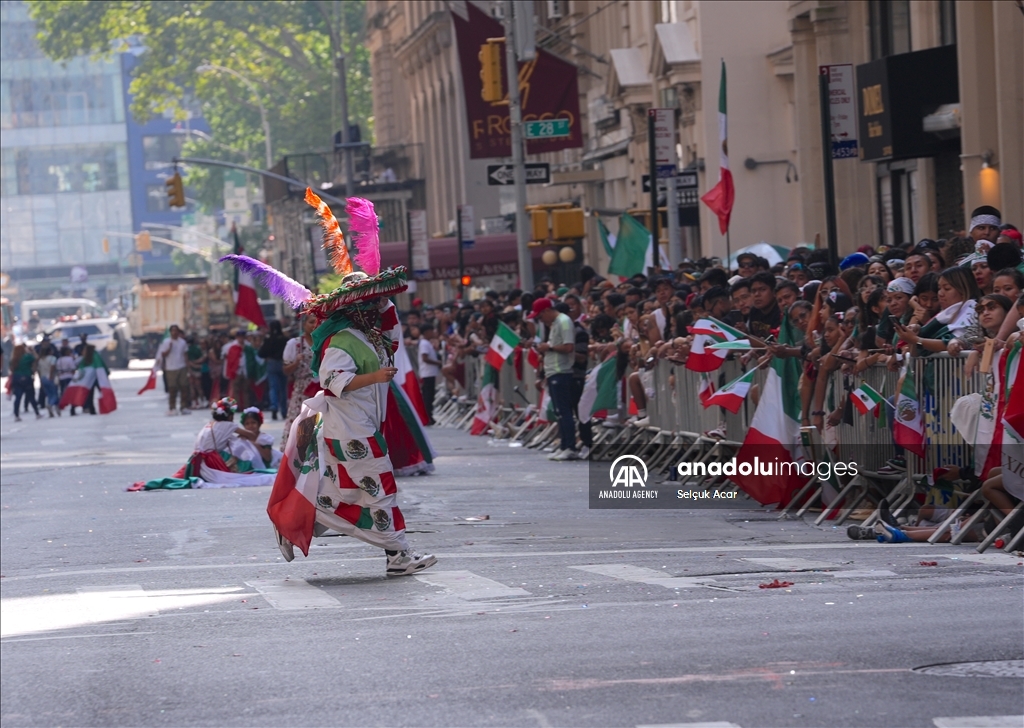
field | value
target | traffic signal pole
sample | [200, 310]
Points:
[518, 162]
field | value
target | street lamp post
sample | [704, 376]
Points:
[263, 109]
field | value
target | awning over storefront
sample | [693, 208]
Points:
[490, 255]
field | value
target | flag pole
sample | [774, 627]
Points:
[728, 249]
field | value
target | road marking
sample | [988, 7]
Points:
[792, 564]
[712, 724]
[469, 586]
[862, 573]
[294, 594]
[996, 557]
[643, 575]
[182, 436]
[55, 441]
[117, 438]
[271, 562]
[74, 636]
[980, 721]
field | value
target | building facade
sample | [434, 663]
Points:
[633, 56]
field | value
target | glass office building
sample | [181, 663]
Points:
[65, 159]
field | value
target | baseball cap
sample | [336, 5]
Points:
[541, 304]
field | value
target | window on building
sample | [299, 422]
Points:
[158, 150]
[889, 24]
[669, 12]
[156, 198]
[83, 168]
[898, 203]
[947, 22]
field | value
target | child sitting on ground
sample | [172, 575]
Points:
[252, 421]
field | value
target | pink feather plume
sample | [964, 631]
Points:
[363, 228]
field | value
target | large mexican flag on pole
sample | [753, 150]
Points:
[599, 391]
[86, 377]
[486, 402]
[720, 198]
[774, 434]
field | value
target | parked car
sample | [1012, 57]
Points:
[101, 333]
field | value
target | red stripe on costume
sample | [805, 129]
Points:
[387, 479]
[375, 448]
[389, 319]
[75, 396]
[350, 513]
[397, 519]
[344, 479]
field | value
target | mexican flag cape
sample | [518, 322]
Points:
[731, 396]
[86, 377]
[866, 399]
[502, 346]
[908, 423]
[706, 332]
[486, 403]
[774, 434]
[598, 390]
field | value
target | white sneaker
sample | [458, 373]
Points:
[172, 413]
[642, 422]
[610, 423]
[551, 449]
[409, 562]
[186, 411]
[287, 549]
[584, 453]
[563, 455]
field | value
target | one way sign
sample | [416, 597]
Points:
[502, 174]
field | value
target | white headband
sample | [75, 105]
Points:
[901, 285]
[985, 220]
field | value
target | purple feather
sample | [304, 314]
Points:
[363, 228]
[291, 292]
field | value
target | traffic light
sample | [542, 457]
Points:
[490, 72]
[539, 224]
[106, 246]
[143, 242]
[567, 224]
[175, 191]
[466, 281]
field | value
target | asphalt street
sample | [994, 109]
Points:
[176, 609]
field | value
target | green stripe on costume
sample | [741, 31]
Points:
[379, 437]
[335, 447]
[364, 356]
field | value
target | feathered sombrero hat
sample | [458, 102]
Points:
[356, 286]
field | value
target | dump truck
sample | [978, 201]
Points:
[192, 302]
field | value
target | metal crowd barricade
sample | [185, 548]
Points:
[940, 382]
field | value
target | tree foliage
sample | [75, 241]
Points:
[286, 48]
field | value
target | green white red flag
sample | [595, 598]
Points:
[773, 438]
[599, 390]
[486, 403]
[86, 377]
[706, 332]
[908, 422]
[503, 344]
[731, 396]
[866, 399]
[721, 197]
[707, 388]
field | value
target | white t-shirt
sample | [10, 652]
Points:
[174, 351]
[427, 370]
[45, 366]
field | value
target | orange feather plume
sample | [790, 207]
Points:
[334, 240]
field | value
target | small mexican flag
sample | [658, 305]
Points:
[546, 409]
[486, 402]
[502, 345]
[707, 388]
[731, 396]
[599, 390]
[866, 399]
[908, 424]
[706, 332]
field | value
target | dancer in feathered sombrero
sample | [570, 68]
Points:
[336, 474]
